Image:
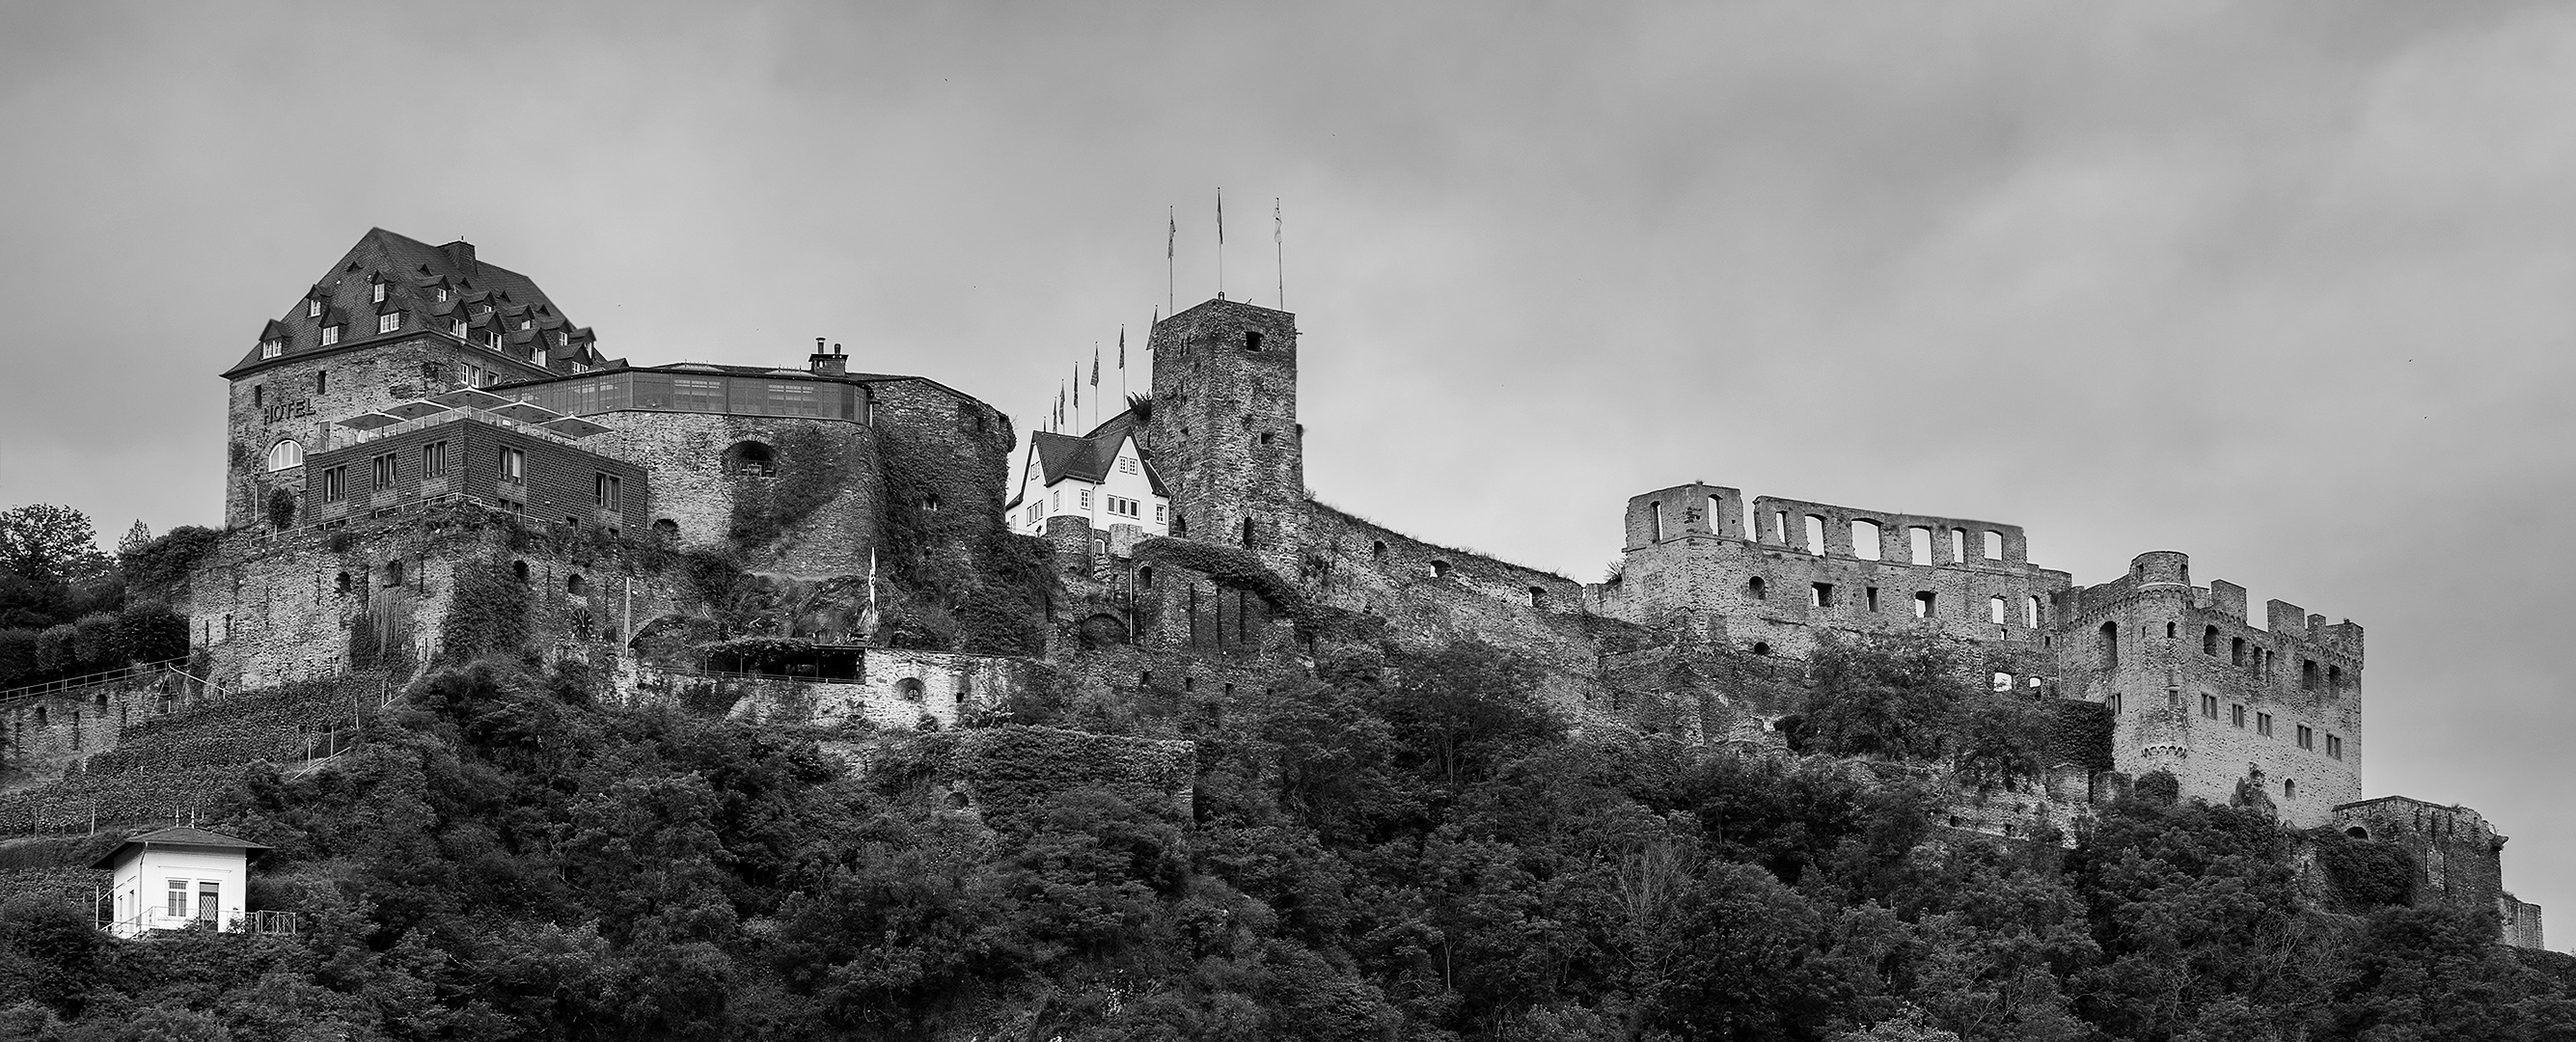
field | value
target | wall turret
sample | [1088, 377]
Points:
[1224, 429]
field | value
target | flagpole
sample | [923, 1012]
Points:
[1279, 242]
[1171, 251]
[1220, 242]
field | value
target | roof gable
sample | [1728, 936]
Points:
[411, 272]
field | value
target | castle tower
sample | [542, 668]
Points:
[1224, 430]
[2198, 691]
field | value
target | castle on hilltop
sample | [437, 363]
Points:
[425, 458]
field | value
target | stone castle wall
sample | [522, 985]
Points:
[2183, 665]
[694, 464]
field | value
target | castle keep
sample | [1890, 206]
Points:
[426, 459]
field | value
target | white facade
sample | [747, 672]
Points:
[172, 887]
[1125, 496]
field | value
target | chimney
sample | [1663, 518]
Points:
[461, 254]
[830, 363]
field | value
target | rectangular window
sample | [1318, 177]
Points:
[313, 308]
[456, 328]
[1870, 594]
[2236, 651]
[606, 488]
[209, 901]
[321, 381]
[433, 460]
[384, 467]
[272, 348]
[1158, 513]
[1926, 605]
[2308, 674]
[1086, 499]
[1126, 465]
[688, 395]
[514, 465]
[389, 322]
[2334, 746]
[492, 339]
[1820, 595]
[330, 335]
[2236, 715]
[2113, 702]
[380, 293]
[2263, 724]
[2209, 705]
[2307, 738]
[335, 484]
[179, 898]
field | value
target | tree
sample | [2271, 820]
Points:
[1891, 696]
[42, 542]
[136, 538]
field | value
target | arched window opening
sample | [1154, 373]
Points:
[1439, 569]
[908, 688]
[1994, 545]
[1816, 535]
[1145, 577]
[1958, 546]
[2171, 631]
[930, 504]
[286, 454]
[1538, 597]
[1918, 544]
[1995, 609]
[2334, 678]
[2209, 641]
[1714, 506]
[1761, 648]
[1655, 522]
[2357, 832]
[2110, 645]
[1755, 587]
[574, 584]
[342, 583]
[1377, 551]
[1927, 605]
[666, 531]
[1865, 536]
[519, 570]
[2289, 788]
[393, 573]
[2030, 612]
[2001, 683]
[1247, 531]
[1180, 526]
[751, 459]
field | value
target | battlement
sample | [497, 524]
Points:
[2170, 570]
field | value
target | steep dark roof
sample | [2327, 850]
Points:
[176, 836]
[487, 296]
[1089, 457]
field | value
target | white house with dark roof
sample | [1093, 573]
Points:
[1105, 477]
[178, 877]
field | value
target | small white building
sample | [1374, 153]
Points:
[178, 877]
[1103, 477]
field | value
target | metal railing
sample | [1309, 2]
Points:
[262, 924]
[55, 687]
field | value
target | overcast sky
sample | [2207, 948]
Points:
[2282, 285]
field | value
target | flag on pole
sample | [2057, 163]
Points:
[1095, 364]
[1077, 391]
[1172, 235]
[1122, 347]
[1220, 217]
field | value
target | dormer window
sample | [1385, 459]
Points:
[389, 322]
[456, 328]
[492, 339]
[442, 294]
[525, 324]
[330, 335]
[580, 368]
[313, 308]
[380, 293]
[563, 340]
[272, 347]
